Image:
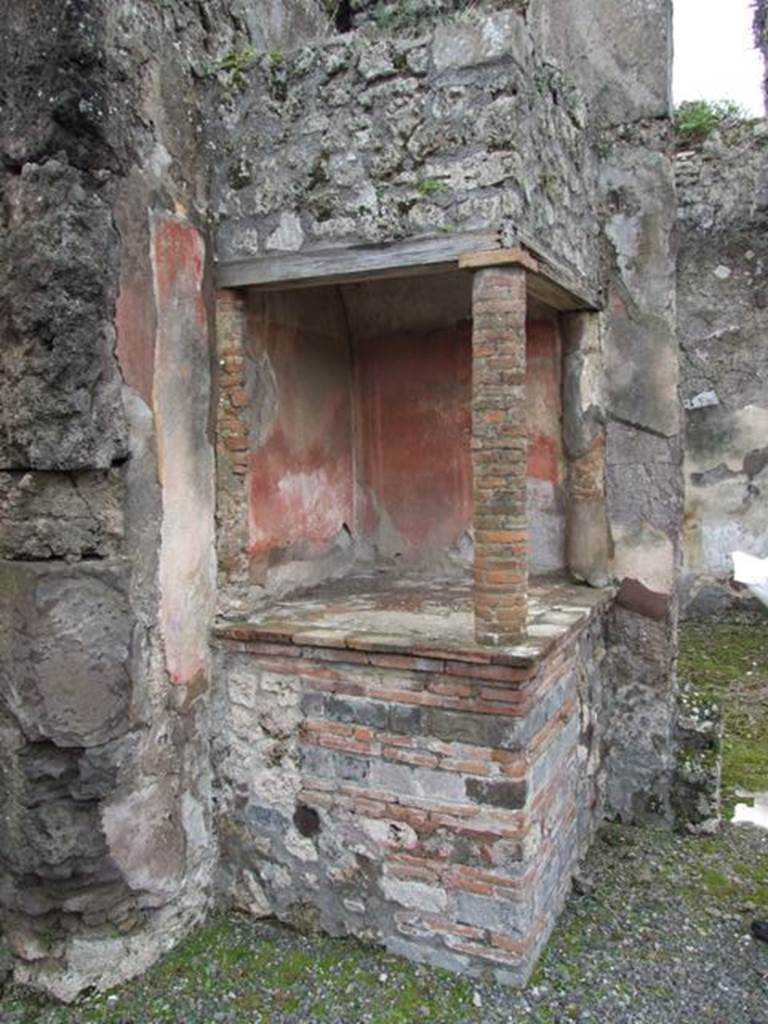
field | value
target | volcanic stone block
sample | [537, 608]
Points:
[508, 794]
[64, 651]
[59, 382]
[60, 515]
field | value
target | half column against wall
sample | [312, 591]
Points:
[499, 453]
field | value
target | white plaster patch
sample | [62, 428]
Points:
[249, 896]
[414, 895]
[390, 833]
[145, 840]
[346, 169]
[464, 43]
[718, 518]
[722, 272]
[354, 906]
[193, 820]
[246, 242]
[646, 554]
[160, 160]
[281, 782]
[277, 875]
[288, 236]
[323, 508]
[703, 400]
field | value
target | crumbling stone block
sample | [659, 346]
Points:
[59, 382]
[61, 515]
[64, 673]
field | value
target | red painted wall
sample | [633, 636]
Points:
[543, 393]
[414, 411]
[300, 473]
[373, 432]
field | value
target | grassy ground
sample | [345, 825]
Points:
[729, 664]
[661, 938]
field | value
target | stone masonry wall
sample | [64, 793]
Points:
[761, 39]
[723, 335]
[627, 417]
[431, 804]
[643, 454]
[373, 137]
[379, 135]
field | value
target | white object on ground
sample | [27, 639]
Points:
[755, 815]
[753, 572]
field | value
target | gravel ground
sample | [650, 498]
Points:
[659, 935]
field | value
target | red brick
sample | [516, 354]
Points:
[443, 926]
[410, 757]
[450, 764]
[407, 662]
[503, 673]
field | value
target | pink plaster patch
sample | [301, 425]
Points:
[135, 323]
[302, 496]
[185, 457]
[179, 257]
[543, 458]
[301, 476]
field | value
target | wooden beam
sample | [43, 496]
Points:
[548, 283]
[498, 258]
[563, 298]
[355, 263]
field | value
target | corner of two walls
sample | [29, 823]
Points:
[637, 409]
[106, 728]
[643, 458]
[629, 462]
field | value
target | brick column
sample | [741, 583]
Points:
[499, 453]
[231, 437]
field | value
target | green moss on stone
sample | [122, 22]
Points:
[728, 664]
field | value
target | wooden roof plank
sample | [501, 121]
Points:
[547, 283]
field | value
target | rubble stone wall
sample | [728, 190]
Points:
[761, 39]
[723, 334]
[377, 137]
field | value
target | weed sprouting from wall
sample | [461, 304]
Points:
[695, 120]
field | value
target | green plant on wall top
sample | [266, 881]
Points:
[236, 63]
[696, 119]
